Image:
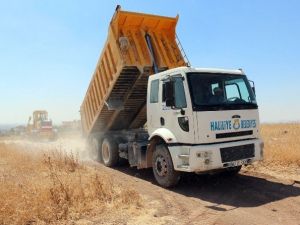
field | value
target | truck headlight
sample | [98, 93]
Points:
[184, 123]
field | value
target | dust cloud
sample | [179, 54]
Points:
[69, 144]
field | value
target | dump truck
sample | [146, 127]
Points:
[146, 105]
[41, 127]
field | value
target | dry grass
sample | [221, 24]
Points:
[54, 188]
[282, 144]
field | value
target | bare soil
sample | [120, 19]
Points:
[260, 194]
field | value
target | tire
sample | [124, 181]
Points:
[163, 168]
[109, 152]
[232, 171]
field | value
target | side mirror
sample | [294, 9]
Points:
[252, 85]
[170, 100]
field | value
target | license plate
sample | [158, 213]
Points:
[237, 163]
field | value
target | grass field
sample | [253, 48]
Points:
[282, 144]
[53, 187]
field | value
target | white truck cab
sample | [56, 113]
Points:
[207, 118]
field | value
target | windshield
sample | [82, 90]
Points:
[210, 91]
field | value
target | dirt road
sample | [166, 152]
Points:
[248, 198]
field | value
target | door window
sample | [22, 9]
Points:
[180, 100]
[179, 94]
[154, 91]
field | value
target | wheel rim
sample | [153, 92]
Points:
[161, 167]
[105, 153]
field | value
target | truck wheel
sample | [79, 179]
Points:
[231, 171]
[109, 152]
[163, 168]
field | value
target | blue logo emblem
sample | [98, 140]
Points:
[236, 124]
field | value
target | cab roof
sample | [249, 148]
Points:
[201, 70]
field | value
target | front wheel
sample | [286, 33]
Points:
[163, 168]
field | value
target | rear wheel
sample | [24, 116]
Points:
[109, 152]
[163, 168]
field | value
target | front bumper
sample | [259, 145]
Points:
[205, 157]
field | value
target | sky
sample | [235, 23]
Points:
[49, 50]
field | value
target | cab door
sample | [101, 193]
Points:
[178, 118]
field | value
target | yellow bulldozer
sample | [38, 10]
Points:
[41, 127]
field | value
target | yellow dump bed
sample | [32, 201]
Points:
[122, 71]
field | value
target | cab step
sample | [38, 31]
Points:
[183, 166]
[183, 156]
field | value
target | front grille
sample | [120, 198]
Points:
[234, 134]
[230, 154]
